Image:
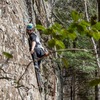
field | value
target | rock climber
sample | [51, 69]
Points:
[37, 51]
[35, 46]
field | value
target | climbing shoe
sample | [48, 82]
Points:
[37, 67]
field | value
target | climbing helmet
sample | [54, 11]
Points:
[29, 26]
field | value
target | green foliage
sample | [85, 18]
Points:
[96, 35]
[65, 62]
[59, 44]
[75, 16]
[94, 82]
[96, 26]
[79, 31]
[95, 31]
[51, 43]
[7, 55]
[77, 27]
[81, 60]
[40, 27]
[56, 32]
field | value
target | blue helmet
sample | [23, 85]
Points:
[30, 26]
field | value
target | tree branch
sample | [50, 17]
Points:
[24, 71]
[58, 18]
[71, 49]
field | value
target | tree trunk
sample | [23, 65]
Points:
[59, 84]
[98, 1]
[95, 47]
[71, 92]
[96, 88]
[73, 86]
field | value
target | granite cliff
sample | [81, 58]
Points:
[17, 75]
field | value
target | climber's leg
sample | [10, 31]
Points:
[40, 53]
[39, 81]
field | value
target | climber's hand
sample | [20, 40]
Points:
[32, 51]
[46, 53]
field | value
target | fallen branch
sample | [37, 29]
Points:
[6, 78]
[64, 50]
[24, 71]
[71, 49]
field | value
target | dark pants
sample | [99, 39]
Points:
[37, 54]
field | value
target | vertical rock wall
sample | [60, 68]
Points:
[17, 75]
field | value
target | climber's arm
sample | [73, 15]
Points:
[33, 46]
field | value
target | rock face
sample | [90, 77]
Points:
[17, 75]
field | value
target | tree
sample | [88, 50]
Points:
[68, 33]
